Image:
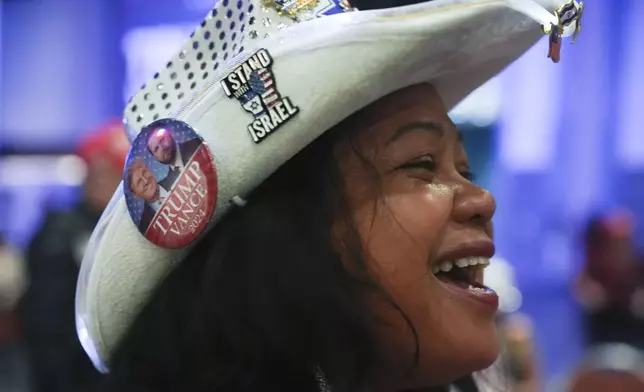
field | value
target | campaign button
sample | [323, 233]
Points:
[170, 183]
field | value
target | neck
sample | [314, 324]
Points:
[405, 384]
[380, 388]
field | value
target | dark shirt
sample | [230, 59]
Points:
[56, 358]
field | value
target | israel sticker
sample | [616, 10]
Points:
[252, 83]
[170, 183]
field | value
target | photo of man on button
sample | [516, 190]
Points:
[166, 150]
[143, 185]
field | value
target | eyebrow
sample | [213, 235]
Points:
[428, 126]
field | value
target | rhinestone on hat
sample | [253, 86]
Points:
[222, 35]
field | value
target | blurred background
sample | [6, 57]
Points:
[560, 145]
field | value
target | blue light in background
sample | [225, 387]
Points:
[629, 124]
[61, 70]
[557, 164]
[143, 13]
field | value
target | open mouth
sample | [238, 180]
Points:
[465, 273]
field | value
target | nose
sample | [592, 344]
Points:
[474, 205]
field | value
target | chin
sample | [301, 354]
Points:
[482, 357]
[481, 349]
[469, 352]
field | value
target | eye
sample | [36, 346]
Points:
[426, 162]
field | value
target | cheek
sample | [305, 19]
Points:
[400, 237]
[406, 232]
[402, 232]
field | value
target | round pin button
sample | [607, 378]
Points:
[170, 183]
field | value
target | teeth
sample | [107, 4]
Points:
[447, 266]
[461, 263]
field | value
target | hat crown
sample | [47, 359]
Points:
[230, 28]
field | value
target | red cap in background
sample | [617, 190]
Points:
[107, 142]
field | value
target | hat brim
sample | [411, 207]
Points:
[330, 68]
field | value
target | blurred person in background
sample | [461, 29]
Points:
[58, 362]
[610, 285]
[12, 369]
[612, 367]
[11, 286]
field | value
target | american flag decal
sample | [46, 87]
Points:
[252, 83]
[262, 83]
[270, 96]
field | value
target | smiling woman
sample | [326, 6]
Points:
[392, 201]
[415, 206]
[347, 247]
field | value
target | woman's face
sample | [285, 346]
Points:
[416, 212]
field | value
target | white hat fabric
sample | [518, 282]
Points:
[256, 83]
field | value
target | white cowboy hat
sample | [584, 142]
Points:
[251, 88]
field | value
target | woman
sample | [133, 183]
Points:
[350, 263]
[57, 362]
